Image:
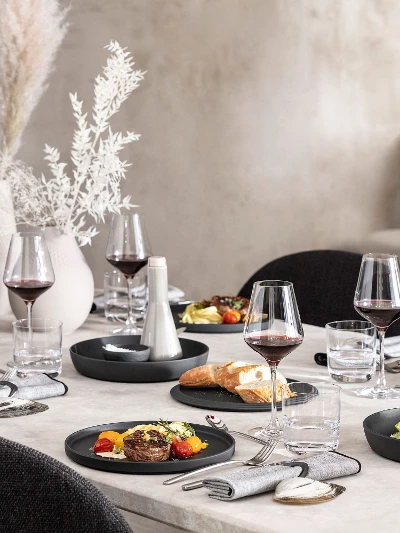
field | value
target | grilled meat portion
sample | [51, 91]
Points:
[230, 303]
[147, 446]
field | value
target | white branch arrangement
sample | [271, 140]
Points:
[31, 32]
[93, 188]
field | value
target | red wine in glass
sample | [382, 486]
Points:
[273, 348]
[29, 290]
[381, 313]
[28, 271]
[377, 299]
[128, 250]
[273, 329]
[129, 265]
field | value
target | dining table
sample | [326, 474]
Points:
[369, 504]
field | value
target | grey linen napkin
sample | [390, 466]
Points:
[256, 480]
[35, 387]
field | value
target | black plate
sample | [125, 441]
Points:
[178, 309]
[212, 328]
[89, 360]
[378, 427]
[221, 447]
[219, 399]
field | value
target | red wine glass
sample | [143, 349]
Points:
[28, 271]
[128, 250]
[273, 329]
[377, 299]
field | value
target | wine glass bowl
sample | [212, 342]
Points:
[28, 271]
[128, 250]
[273, 329]
[377, 299]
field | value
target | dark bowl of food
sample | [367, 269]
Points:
[126, 352]
[378, 429]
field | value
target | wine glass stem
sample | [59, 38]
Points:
[131, 317]
[29, 306]
[381, 381]
[274, 419]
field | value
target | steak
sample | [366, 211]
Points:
[147, 446]
[230, 303]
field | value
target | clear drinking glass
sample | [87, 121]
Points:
[311, 419]
[273, 329]
[38, 349]
[128, 250]
[116, 297]
[377, 299]
[28, 271]
[351, 350]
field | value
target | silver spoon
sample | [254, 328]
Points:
[217, 423]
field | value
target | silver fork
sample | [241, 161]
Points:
[259, 459]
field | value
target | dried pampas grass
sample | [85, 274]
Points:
[31, 32]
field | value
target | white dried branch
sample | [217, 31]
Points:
[93, 187]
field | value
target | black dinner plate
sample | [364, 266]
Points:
[203, 328]
[212, 328]
[378, 427]
[221, 447]
[220, 399]
[89, 360]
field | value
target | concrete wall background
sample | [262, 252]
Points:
[268, 126]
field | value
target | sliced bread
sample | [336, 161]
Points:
[261, 391]
[249, 374]
[201, 376]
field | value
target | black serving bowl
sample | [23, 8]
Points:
[378, 427]
[88, 359]
[135, 352]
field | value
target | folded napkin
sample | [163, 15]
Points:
[256, 480]
[35, 387]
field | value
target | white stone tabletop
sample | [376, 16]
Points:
[369, 504]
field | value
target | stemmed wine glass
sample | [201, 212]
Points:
[128, 250]
[273, 329]
[28, 271]
[377, 299]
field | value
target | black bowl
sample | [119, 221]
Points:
[378, 427]
[88, 359]
[136, 352]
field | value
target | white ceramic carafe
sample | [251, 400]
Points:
[159, 332]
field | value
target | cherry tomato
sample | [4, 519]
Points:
[231, 317]
[182, 450]
[110, 435]
[103, 445]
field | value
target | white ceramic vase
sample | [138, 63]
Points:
[7, 228]
[71, 297]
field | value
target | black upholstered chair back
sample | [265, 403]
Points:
[42, 495]
[324, 283]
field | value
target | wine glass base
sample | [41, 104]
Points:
[266, 433]
[127, 330]
[381, 394]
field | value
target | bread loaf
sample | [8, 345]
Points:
[261, 391]
[201, 376]
[249, 374]
[222, 374]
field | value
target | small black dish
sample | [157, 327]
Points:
[135, 352]
[88, 359]
[378, 427]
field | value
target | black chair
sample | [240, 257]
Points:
[324, 283]
[42, 495]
